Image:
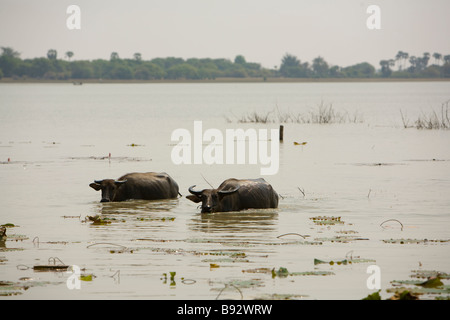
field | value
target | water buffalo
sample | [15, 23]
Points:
[146, 186]
[235, 195]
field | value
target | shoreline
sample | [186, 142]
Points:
[224, 80]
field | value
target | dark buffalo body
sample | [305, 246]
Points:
[236, 195]
[146, 186]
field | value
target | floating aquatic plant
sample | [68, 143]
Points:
[415, 241]
[326, 220]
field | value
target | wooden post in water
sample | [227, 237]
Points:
[281, 133]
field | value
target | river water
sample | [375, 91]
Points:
[335, 191]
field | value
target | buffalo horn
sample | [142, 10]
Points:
[191, 190]
[98, 181]
[120, 181]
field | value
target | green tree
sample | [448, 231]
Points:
[401, 58]
[289, 61]
[360, 70]
[425, 59]
[386, 67]
[238, 71]
[39, 67]
[114, 56]
[81, 70]
[9, 61]
[121, 71]
[10, 52]
[320, 67]
[223, 65]
[52, 54]
[149, 71]
[447, 59]
[137, 57]
[292, 68]
[437, 57]
[240, 60]
[182, 71]
[446, 70]
[69, 55]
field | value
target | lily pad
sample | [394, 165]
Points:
[432, 286]
[157, 219]
[404, 295]
[97, 220]
[343, 261]
[341, 239]
[86, 277]
[432, 283]
[51, 267]
[373, 296]
[278, 296]
[426, 274]
[283, 273]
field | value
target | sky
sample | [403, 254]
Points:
[263, 31]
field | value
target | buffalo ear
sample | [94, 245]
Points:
[194, 198]
[95, 186]
[223, 193]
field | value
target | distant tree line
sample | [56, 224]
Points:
[171, 68]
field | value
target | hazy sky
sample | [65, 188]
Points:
[260, 30]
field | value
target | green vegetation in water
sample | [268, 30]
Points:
[283, 272]
[172, 278]
[341, 239]
[87, 277]
[415, 241]
[281, 296]
[373, 296]
[326, 220]
[433, 286]
[99, 220]
[402, 295]
[50, 268]
[2, 233]
[163, 219]
[8, 225]
[343, 261]
[427, 274]
[323, 114]
[9, 288]
[433, 120]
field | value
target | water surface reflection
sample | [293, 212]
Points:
[248, 221]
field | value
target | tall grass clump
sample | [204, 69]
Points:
[433, 120]
[323, 114]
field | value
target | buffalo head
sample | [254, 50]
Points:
[212, 199]
[109, 188]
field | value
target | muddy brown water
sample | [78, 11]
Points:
[352, 176]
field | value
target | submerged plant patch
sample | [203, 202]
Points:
[341, 239]
[433, 285]
[415, 241]
[326, 220]
[283, 272]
